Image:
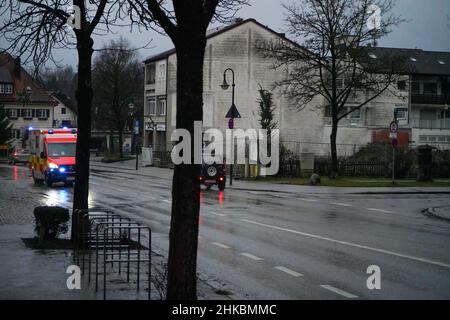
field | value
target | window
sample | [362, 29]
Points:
[12, 113]
[356, 114]
[61, 149]
[63, 110]
[430, 88]
[415, 88]
[401, 114]
[6, 88]
[41, 113]
[14, 134]
[150, 74]
[151, 107]
[27, 113]
[401, 85]
[162, 107]
[162, 71]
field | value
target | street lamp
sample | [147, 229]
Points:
[232, 114]
[135, 128]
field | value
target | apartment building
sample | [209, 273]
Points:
[419, 99]
[27, 102]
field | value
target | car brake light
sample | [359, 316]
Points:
[221, 178]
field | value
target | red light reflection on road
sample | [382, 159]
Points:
[16, 173]
[200, 198]
[220, 197]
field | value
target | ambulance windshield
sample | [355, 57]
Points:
[61, 150]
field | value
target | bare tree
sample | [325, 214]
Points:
[186, 23]
[117, 82]
[333, 59]
[34, 29]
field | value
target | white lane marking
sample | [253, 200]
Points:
[167, 201]
[339, 291]
[379, 210]
[289, 271]
[221, 245]
[309, 200]
[350, 244]
[341, 204]
[249, 255]
[217, 214]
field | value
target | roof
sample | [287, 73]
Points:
[5, 76]
[8, 69]
[217, 31]
[64, 99]
[415, 61]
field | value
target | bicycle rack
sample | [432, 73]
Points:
[110, 235]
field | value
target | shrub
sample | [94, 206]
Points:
[50, 222]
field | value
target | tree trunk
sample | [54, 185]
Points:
[333, 137]
[120, 141]
[84, 96]
[182, 277]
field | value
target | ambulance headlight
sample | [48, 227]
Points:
[53, 165]
[62, 170]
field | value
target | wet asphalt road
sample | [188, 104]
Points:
[286, 245]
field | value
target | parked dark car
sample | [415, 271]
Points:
[213, 174]
[19, 156]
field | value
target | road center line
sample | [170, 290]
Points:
[309, 200]
[217, 214]
[339, 291]
[341, 204]
[350, 244]
[379, 210]
[289, 271]
[249, 255]
[221, 245]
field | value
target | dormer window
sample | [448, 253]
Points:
[372, 56]
[413, 59]
[6, 88]
[441, 62]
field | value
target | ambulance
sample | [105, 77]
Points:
[52, 155]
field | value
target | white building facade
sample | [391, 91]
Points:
[305, 131]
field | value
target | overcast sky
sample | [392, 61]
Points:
[427, 27]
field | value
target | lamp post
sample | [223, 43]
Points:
[135, 128]
[232, 114]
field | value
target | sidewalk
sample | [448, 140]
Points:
[260, 186]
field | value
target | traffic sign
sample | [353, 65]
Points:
[393, 127]
[394, 142]
[231, 123]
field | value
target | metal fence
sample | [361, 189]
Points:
[403, 169]
[108, 239]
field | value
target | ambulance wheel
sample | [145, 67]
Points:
[36, 180]
[48, 182]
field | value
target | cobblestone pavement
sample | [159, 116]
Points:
[16, 204]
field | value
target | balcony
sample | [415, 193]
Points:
[430, 99]
[438, 124]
